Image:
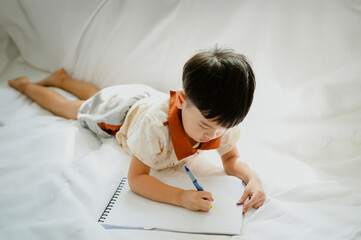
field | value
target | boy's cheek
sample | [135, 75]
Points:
[219, 134]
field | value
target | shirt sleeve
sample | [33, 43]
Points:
[228, 140]
[147, 141]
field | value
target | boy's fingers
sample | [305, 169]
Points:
[251, 203]
[256, 206]
[206, 201]
[207, 195]
[244, 197]
[206, 205]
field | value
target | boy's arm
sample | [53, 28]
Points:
[143, 184]
[232, 166]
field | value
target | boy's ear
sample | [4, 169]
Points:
[180, 99]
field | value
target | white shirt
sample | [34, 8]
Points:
[147, 133]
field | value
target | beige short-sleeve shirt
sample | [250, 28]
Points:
[150, 132]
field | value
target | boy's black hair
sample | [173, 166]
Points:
[220, 84]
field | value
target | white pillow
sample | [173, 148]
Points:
[45, 32]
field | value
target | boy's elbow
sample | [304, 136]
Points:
[135, 183]
[137, 174]
[229, 171]
[230, 167]
[132, 182]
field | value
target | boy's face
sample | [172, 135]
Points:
[197, 127]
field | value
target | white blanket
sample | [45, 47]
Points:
[302, 136]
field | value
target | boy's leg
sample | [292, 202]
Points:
[47, 98]
[60, 79]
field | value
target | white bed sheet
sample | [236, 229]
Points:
[303, 135]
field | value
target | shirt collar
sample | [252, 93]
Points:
[181, 144]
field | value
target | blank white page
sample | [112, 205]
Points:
[225, 217]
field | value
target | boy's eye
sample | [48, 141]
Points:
[204, 127]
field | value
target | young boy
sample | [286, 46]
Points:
[162, 131]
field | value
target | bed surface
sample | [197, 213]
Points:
[302, 136]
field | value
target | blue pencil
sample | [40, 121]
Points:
[194, 180]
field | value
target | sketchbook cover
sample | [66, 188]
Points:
[128, 210]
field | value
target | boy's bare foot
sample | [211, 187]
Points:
[19, 83]
[55, 79]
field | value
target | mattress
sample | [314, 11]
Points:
[302, 136]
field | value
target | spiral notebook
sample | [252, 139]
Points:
[128, 210]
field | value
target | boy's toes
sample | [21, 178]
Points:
[60, 73]
[19, 83]
[55, 79]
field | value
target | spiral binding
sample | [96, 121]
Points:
[112, 200]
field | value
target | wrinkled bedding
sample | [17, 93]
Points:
[302, 136]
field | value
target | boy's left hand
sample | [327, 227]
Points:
[256, 194]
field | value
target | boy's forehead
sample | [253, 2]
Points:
[199, 116]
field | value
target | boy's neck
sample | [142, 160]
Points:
[192, 142]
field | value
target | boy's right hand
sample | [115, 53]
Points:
[196, 200]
